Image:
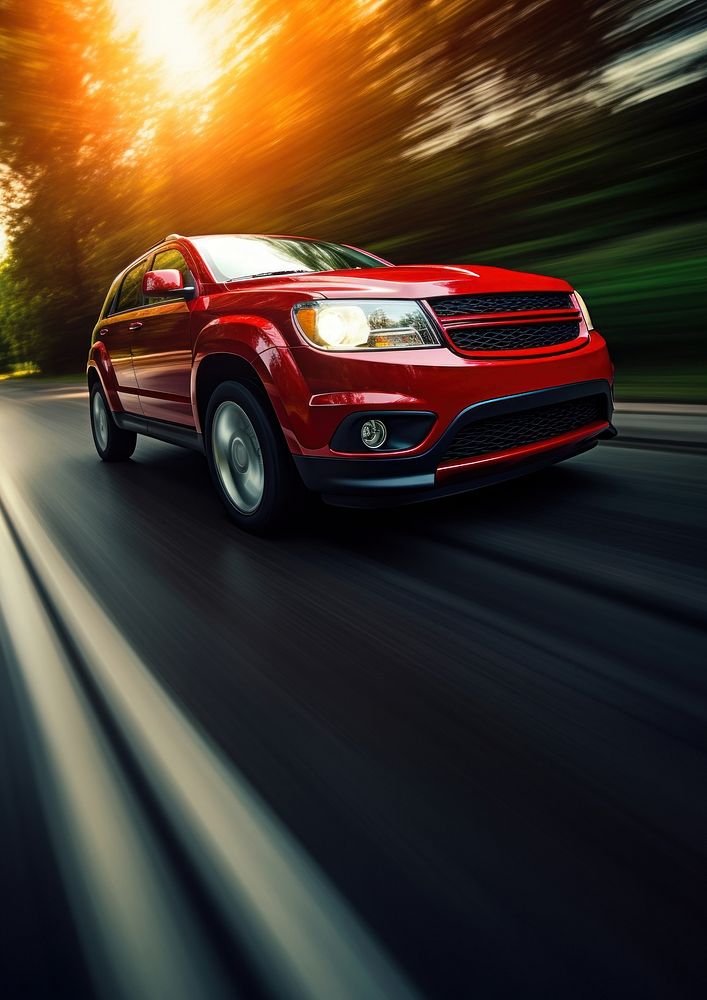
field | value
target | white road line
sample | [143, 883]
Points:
[303, 937]
[47, 395]
[138, 935]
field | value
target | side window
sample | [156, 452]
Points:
[130, 294]
[109, 305]
[172, 259]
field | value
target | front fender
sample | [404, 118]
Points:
[258, 342]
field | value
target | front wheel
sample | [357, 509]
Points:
[248, 459]
[112, 443]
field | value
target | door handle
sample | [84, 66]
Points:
[135, 326]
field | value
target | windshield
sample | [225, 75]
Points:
[232, 257]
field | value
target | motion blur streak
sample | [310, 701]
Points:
[552, 137]
[139, 939]
[303, 938]
[484, 718]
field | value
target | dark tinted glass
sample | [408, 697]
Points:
[130, 295]
[234, 257]
[111, 297]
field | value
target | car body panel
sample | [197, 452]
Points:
[162, 359]
[433, 379]
[258, 342]
[409, 281]
[113, 345]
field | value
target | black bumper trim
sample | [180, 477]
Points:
[500, 475]
[408, 479]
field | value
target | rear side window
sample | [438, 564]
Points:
[130, 294]
[109, 305]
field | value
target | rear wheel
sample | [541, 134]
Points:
[249, 461]
[112, 443]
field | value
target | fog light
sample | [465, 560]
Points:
[373, 433]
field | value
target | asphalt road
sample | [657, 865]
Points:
[483, 717]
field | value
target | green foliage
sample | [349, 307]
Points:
[562, 138]
[20, 306]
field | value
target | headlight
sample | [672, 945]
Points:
[364, 324]
[585, 312]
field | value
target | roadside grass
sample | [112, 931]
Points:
[20, 371]
[661, 386]
[34, 375]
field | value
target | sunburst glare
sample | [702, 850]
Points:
[175, 35]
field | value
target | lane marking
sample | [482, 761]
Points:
[137, 933]
[46, 396]
[304, 939]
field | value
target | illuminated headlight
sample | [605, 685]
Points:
[583, 308]
[364, 325]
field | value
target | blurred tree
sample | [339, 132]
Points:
[534, 134]
[62, 133]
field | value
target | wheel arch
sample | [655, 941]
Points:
[250, 348]
[105, 379]
[92, 376]
[225, 366]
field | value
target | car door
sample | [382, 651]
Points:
[116, 333]
[162, 349]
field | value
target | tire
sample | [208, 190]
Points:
[249, 462]
[112, 443]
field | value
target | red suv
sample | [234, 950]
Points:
[297, 363]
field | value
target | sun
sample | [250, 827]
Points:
[171, 34]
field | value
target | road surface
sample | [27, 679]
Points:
[483, 719]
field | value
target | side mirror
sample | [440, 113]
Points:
[166, 284]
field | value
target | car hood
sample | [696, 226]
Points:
[409, 281]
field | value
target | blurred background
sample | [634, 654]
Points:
[473, 732]
[547, 136]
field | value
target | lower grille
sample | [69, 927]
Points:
[513, 430]
[512, 338]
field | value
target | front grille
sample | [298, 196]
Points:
[500, 302]
[512, 338]
[526, 427]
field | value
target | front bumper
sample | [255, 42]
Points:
[387, 479]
